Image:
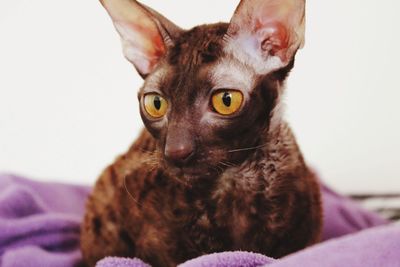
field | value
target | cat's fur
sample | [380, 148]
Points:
[245, 186]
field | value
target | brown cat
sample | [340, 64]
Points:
[217, 168]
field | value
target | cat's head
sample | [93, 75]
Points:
[211, 93]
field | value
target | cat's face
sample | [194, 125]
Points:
[210, 94]
[203, 106]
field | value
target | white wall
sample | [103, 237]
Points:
[68, 98]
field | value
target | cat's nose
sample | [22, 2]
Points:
[179, 148]
[179, 153]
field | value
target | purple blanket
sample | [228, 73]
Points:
[39, 226]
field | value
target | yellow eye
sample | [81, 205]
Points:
[227, 102]
[155, 105]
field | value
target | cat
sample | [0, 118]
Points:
[216, 168]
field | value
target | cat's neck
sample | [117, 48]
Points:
[277, 155]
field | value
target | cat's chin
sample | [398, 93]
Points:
[191, 174]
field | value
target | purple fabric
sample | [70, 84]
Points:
[39, 223]
[373, 247]
[121, 262]
[39, 226]
[379, 246]
[229, 259]
[343, 216]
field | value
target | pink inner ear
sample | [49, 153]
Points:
[150, 43]
[142, 42]
[276, 25]
[274, 38]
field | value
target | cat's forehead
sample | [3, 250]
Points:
[198, 46]
[198, 59]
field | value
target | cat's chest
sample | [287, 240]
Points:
[215, 215]
[223, 217]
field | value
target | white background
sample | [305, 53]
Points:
[68, 98]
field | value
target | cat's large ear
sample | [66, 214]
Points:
[145, 34]
[266, 33]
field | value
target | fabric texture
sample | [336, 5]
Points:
[40, 222]
[121, 262]
[229, 259]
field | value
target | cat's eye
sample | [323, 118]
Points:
[155, 105]
[227, 102]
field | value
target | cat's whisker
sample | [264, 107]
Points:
[224, 164]
[247, 148]
[129, 193]
[228, 164]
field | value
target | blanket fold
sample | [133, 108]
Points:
[40, 224]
